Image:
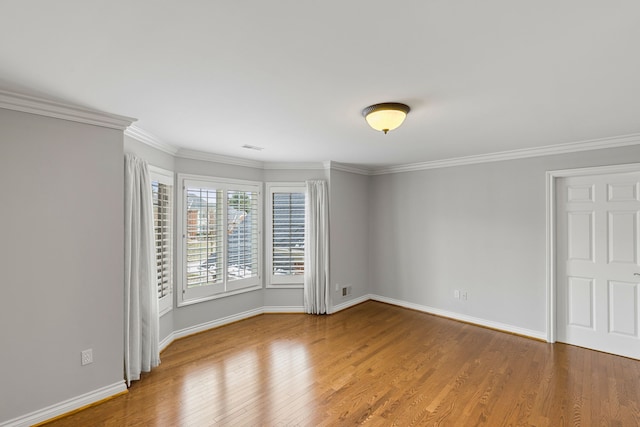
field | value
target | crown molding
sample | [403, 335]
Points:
[217, 158]
[345, 167]
[293, 165]
[44, 107]
[571, 147]
[151, 140]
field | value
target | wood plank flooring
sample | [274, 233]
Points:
[373, 364]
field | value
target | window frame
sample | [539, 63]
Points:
[166, 177]
[279, 281]
[226, 287]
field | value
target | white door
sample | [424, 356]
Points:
[598, 264]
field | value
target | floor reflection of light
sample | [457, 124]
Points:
[291, 383]
[200, 388]
[267, 384]
[209, 392]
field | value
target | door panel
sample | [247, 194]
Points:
[598, 263]
[580, 302]
[623, 308]
[580, 236]
[623, 244]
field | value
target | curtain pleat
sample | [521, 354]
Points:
[141, 300]
[316, 264]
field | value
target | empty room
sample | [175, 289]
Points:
[295, 213]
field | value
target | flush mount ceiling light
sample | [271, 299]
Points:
[386, 116]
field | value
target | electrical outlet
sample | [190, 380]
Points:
[456, 294]
[464, 295]
[337, 287]
[87, 356]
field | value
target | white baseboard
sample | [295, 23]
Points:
[464, 318]
[67, 406]
[350, 303]
[283, 309]
[216, 323]
[166, 341]
[224, 321]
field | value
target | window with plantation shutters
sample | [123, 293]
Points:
[242, 234]
[162, 193]
[285, 241]
[221, 251]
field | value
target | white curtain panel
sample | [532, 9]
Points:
[316, 248]
[141, 295]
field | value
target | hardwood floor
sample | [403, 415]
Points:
[373, 364]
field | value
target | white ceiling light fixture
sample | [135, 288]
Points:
[386, 116]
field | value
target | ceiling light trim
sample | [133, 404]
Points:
[386, 116]
[59, 110]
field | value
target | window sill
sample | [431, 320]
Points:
[285, 286]
[218, 296]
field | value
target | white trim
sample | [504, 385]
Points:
[550, 267]
[344, 167]
[551, 177]
[284, 285]
[181, 333]
[166, 342]
[283, 309]
[149, 139]
[462, 317]
[350, 303]
[66, 406]
[218, 158]
[44, 107]
[292, 166]
[169, 176]
[169, 339]
[197, 300]
[572, 147]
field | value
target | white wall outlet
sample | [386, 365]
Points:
[337, 287]
[87, 356]
[464, 295]
[456, 294]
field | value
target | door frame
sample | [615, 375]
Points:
[551, 178]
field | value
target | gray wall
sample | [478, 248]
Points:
[479, 228]
[349, 234]
[61, 260]
[412, 236]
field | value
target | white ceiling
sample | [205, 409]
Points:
[292, 76]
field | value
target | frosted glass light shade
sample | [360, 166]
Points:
[387, 116]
